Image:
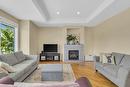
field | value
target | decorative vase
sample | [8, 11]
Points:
[71, 42]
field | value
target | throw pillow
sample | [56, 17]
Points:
[110, 60]
[125, 61]
[107, 58]
[9, 58]
[103, 58]
[3, 71]
[20, 56]
[118, 57]
[7, 67]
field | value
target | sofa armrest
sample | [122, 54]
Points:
[96, 58]
[6, 80]
[83, 82]
[124, 76]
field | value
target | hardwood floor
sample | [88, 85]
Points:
[87, 70]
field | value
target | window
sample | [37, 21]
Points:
[8, 38]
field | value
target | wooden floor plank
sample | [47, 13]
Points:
[87, 70]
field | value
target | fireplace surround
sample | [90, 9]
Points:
[73, 53]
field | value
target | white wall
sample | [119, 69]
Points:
[33, 39]
[89, 41]
[24, 36]
[111, 36]
[28, 37]
[50, 36]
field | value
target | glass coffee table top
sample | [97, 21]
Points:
[37, 75]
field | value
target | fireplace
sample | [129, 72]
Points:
[73, 54]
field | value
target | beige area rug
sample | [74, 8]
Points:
[68, 75]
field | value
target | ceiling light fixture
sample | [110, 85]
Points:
[57, 12]
[78, 13]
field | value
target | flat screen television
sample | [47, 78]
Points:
[50, 47]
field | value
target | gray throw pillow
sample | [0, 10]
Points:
[126, 61]
[9, 58]
[118, 57]
[20, 56]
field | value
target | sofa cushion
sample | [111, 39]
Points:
[22, 68]
[20, 56]
[118, 57]
[19, 68]
[29, 62]
[9, 58]
[16, 75]
[112, 69]
[26, 65]
[101, 65]
[126, 61]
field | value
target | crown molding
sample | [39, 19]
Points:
[99, 10]
[42, 9]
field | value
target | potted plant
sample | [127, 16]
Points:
[71, 39]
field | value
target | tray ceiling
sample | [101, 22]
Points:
[64, 12]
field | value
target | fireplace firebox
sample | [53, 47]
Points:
[73, 55]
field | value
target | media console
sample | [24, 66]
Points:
[49, 56]
[50, 53]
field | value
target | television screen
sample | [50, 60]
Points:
[50, 47]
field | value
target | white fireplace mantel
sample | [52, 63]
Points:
[73, 47]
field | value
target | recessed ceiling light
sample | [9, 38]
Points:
[57, 12]
[78, 13]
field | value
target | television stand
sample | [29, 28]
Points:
[49, 56]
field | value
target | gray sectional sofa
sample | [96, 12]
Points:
[118, 73]
[23, 65]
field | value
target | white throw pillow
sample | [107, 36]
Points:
[104, 59]
[7, 67]
[3, 71]
[107, 58]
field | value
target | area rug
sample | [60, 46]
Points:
[68, 74]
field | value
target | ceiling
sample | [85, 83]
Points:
[64, 12]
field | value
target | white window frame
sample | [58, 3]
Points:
[15, 25]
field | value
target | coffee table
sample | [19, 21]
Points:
[52, 72]
[38, 77]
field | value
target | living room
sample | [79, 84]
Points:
[60, 44]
